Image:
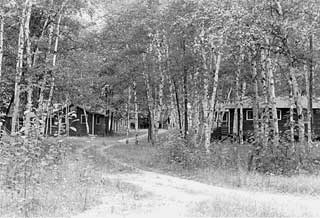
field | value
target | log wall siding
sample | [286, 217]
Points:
[283, 122]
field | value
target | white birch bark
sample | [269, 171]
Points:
[29, 105]
[18, 75]
[173, 115]
[272, 100]
[265, 80]
[237, 99]
[136, 111]
[195, 108]
[292, 106]
[205, 100]
[128, 114]
[255, 100]
[1, 41]
[54, 61]
[299, 107]
[159, 106]
[41, 108]
[309, 109]
[243, 90]
[208, 130]
[86, 119]
[67, 117]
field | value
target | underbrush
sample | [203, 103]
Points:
[226, 165]
[49, 178]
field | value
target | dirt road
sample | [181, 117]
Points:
[159, 195]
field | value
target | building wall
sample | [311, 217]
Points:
[99, 129]
[248, 124]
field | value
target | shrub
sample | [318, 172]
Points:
[184, 152]
[23, 161]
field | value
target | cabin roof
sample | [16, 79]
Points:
[99, 111]
[281, 102]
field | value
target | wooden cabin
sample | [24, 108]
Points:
[97, 121]
[227, 112]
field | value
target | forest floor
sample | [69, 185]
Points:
[144, 189]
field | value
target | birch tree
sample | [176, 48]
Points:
[29, 105]
[1, 40]
[19, 68]
[128, 115]
[136, 111]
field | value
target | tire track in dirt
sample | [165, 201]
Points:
[175, 197]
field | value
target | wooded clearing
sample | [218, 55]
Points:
[212, 72]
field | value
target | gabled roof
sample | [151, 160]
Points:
[281, 102]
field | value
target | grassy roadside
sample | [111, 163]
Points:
[157, 158]
[72, 185]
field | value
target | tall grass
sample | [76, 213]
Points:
[226, 165]
[62, 182]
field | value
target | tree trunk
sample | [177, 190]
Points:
[178, 105]
[136, 113]
[298, 103]
[159, 107]
[19, 69]
[243, 90]
[29, 105]
[1, 41]
[67, 117]
[311, 83]
[150, 103]
[185, 89]
[86, 118]
[255, 101]
[266, 113]
[195, 109]
[205, 99]
[309, 109]
[128, 114]
[237, 100]
[111, 122]
[59, 124]
[172, 116]
[208, 130]
[41, 108]
[292, 105]
[54, 61]
[255, 149]
[272, 101]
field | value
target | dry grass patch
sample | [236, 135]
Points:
[220, 168]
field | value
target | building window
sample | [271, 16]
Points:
[98, 122]
[249, 115]
[225, 117]
[279, 114]
[83, 119]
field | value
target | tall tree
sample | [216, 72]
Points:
[19, 67]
